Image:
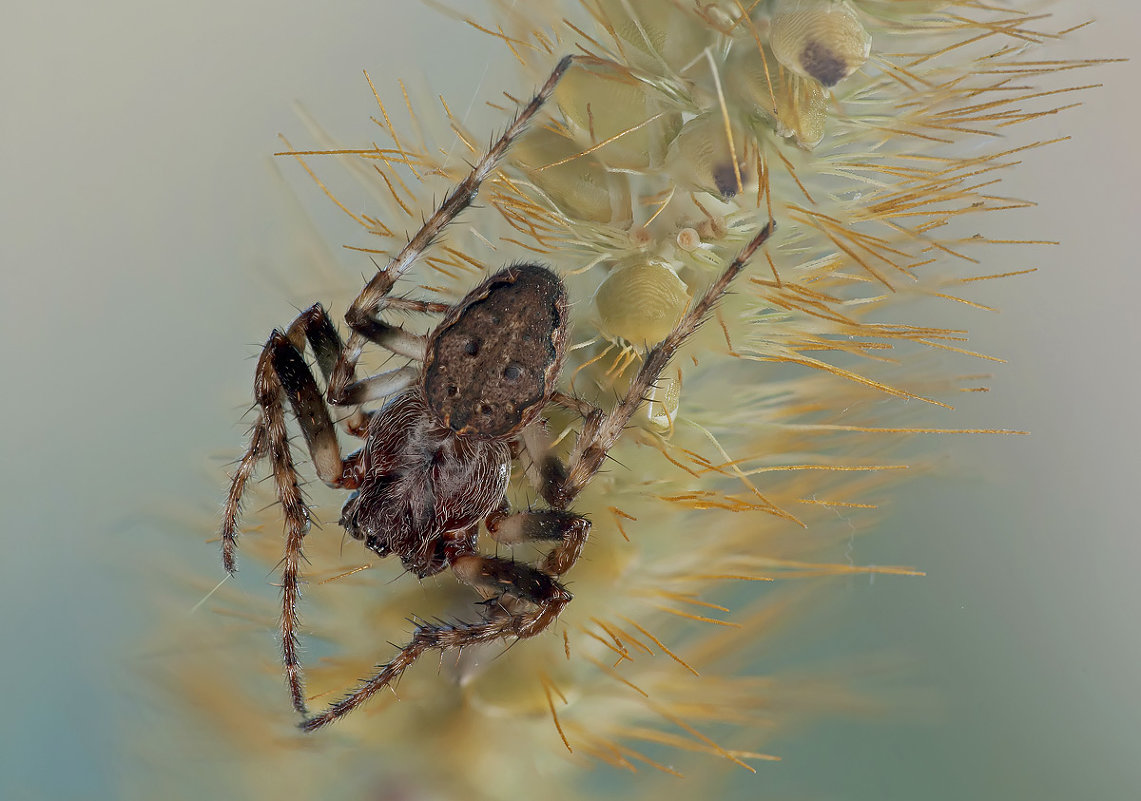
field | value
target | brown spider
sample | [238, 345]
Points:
[437, 455]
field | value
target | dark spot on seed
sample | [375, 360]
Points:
[822, 64]
[725, 178]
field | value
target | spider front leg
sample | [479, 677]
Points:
[491, 577]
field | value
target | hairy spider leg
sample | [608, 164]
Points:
[361, 315]
[315, 327]
[493, 578]
[547, 474]
[282, 371]
[593, 443]
[570, 530]
[312, 325]
[444, 637]
[268, 391]
[391, 337]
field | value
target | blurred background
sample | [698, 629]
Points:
[145, 230]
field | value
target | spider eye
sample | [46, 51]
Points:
[471, 347]
[453, 390]
[483, 409]
[513, 372]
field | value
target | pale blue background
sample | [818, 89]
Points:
[139, 215]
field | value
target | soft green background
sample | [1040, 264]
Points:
[139, 219]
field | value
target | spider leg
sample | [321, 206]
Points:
[362, 313]
[282, 372]
[393, 337]
[314, 326]
[297, 383]
[546, 471]
[543, 525]
[375, 387]
[491, 577]
[595, 441]
[549, 475]
[553, 473]
[583, 408]
[255, 452]
[268, 391]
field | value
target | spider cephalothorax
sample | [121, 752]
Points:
[491, 364]
[436, 458]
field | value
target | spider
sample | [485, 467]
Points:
[436, 456]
